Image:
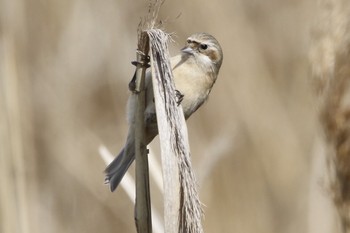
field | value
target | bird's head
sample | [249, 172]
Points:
[205, 49]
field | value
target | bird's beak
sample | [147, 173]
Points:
[187, 49]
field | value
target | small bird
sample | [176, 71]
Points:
[195, 71]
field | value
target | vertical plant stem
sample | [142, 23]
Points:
[143, 200]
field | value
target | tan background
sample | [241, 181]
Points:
[64, 70]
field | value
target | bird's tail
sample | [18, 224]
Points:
[116, 170]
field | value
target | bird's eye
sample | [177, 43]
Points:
[189, 41]
[204, 46]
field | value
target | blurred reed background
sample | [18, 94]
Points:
[257, 145]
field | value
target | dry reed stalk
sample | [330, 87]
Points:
[143, 215]
[180, 186]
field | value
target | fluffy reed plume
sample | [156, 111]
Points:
[331, 66]
[335, 117]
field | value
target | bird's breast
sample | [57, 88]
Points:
[193, 82]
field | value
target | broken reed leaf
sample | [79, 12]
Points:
[190, 207]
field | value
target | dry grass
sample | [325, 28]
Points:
[71, 67]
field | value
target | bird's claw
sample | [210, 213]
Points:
[179, 97]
